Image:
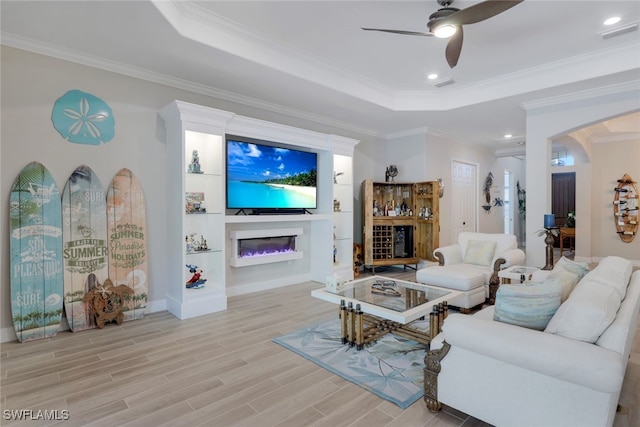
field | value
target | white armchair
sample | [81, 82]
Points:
[472, 265]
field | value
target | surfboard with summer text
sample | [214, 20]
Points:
[84, 244]
[36, 254]
[127, 239]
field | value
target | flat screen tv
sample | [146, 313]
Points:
[269, 177]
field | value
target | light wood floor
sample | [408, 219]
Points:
[215, 370]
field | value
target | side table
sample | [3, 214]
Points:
[516, 273]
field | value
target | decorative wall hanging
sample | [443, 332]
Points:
[83, 118]
[486, 189]
[625, 208]
[522, 200]
[84, 241]
[127, 237]
[36, 254]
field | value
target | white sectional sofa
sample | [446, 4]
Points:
[569, 374]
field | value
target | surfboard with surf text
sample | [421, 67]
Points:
[36, 254]
[84, 241]
[127, 234]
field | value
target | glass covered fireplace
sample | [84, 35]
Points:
[254, 247]
[265, 246]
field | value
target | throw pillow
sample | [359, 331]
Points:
[588, 311]
[579, 268]
[530, 305]
[479, 252]
[566, 279]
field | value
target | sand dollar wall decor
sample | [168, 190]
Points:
[82, 118]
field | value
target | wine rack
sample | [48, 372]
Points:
[625, 208]
[382, 242]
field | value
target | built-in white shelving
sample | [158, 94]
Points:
[191, 127]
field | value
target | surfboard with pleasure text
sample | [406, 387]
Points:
[127, 234]
[36, 254]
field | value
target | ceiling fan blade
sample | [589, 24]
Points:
[479, 12]
[454, 47]
[407, 33]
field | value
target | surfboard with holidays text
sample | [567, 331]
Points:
[127, 239]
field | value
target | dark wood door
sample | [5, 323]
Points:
[563, 196]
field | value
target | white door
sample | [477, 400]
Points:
[464, 193]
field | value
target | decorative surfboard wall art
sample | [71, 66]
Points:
[83, 118]
[84, 238]
[625, 208]
[127, 231]
[36, 254]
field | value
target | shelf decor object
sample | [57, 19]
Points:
[625, 208]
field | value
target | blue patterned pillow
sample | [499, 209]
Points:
[531, 305]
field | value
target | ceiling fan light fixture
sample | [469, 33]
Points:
[444, 31]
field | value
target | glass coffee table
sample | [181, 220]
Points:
[372, 307]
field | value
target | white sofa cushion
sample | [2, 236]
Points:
[530, 305]
[479, 252]
[461, 277]
[619, 335]
[613, 271]
[587, 312]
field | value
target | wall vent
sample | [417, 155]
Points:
[443, 82]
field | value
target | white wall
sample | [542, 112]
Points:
[553, 118]
[31, 83]
[610, 162]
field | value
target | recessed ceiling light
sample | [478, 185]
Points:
[432, 76]
[508, 135]
[612, 20]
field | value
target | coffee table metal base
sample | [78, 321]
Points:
[358, 328]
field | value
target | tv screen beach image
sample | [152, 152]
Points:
[263, 176]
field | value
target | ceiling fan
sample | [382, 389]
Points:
[448, 21]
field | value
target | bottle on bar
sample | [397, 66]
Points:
[445, 306]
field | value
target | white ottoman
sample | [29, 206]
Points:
[460, 277]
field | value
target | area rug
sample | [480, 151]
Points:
[392, 367]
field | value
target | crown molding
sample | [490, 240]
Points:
[627, 87]
[18, 42]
